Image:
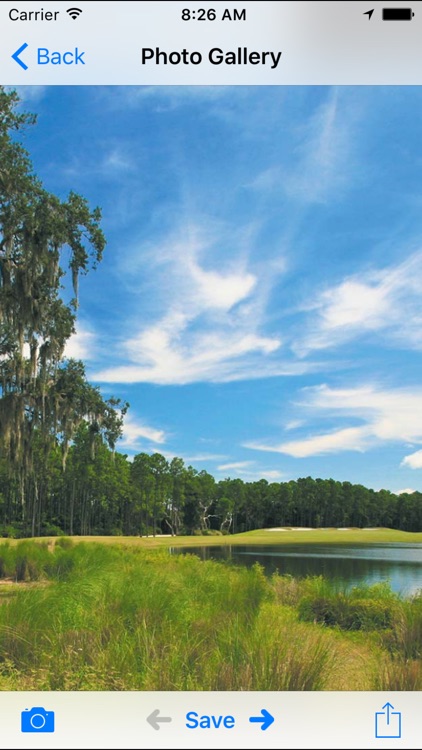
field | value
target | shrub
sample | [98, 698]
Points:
[10, 532]
[288, 590]
[346, 613]
[50, 529]
[5, 560]
[60, 564]
[30, 560]
[399, 675]
[405, 637]
[369, 615]
[65, 542]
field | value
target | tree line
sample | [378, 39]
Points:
[101, 492]
[59, 468]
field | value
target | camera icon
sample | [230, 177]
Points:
[37, 720]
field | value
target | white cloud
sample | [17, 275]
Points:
[271, 475]
[384, 301]
[355, 304]
[196, 458]
[245, 470]
[235, 465]
[203, 457]
[385, 415]
[81, 345]
[221, 290]
[294, 424]
[413, 460]
[134, 431]
[407, 491]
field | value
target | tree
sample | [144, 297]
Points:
[40, 396]
[231, 498]
[176, 500]
[206, 498]
[160, 471]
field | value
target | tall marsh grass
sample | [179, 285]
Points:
[96, 617]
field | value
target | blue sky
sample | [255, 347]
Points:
[259, 302]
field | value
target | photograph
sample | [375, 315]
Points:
[210, 395]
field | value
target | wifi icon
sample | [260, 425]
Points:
[74, 12]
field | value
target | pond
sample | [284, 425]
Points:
[350, 564]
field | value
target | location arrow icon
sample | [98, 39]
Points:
[16, 57]
[265, 719]
[155, 719]
[369, 13]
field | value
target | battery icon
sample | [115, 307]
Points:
[397, 14]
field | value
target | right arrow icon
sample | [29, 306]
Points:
[265, 719]
[369, 13]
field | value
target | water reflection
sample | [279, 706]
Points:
[399, 564]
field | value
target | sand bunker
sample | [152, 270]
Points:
[292, 528]
[278, 529]
[302, 528]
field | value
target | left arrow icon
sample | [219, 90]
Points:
[155, 719]
[16, 57]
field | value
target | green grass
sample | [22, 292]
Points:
[260, 536]
[120, 617]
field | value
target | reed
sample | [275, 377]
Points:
[97, 617]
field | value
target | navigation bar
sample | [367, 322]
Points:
[177, 43]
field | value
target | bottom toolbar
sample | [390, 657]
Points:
[211, 719]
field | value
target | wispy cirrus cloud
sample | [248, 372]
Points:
[30, 93]
[210, 318]
[197, 457]
[323, 162]
[117, 159]
[209, 285]
[215, 357]
[323, 154]
[110, 161]
[117, 97]
[348, 439]
[382, 302]
[386, 416]
[235, 465]
[249, 471]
